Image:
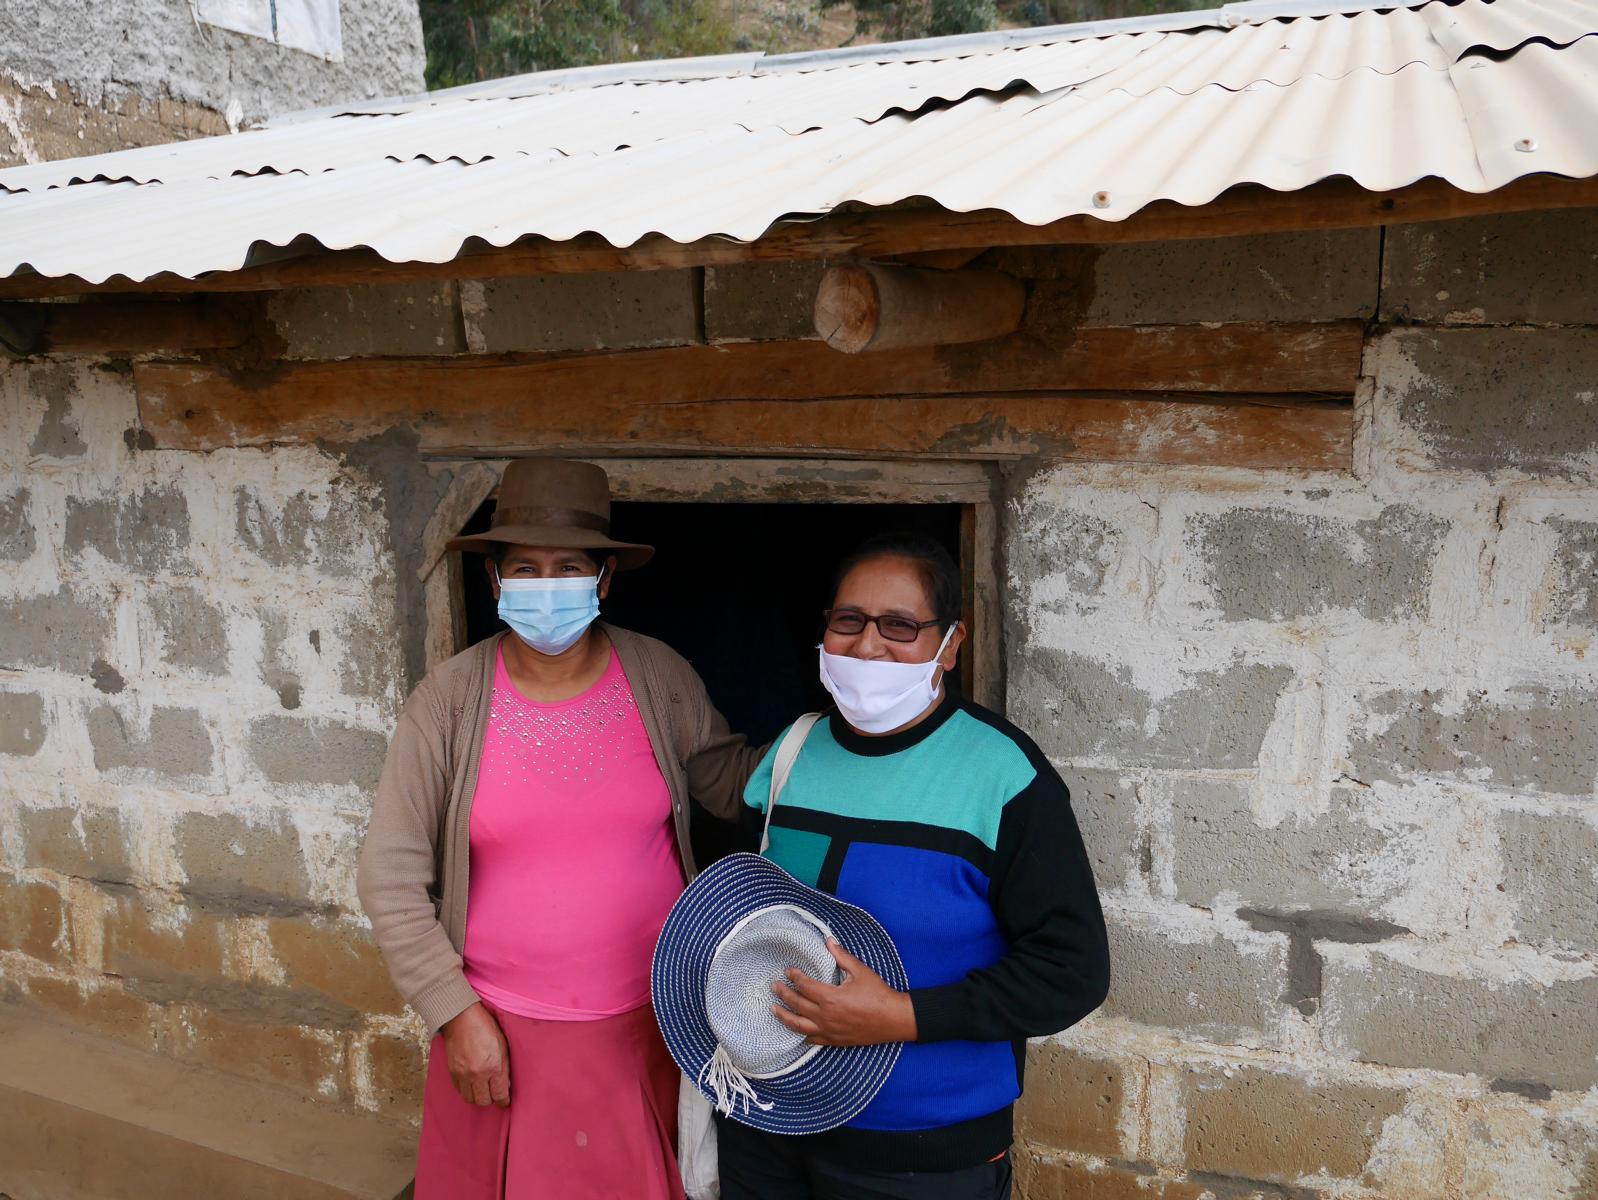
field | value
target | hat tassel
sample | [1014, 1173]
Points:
[729, 1084]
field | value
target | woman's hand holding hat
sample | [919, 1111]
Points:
[860, 1011]
[734, 930]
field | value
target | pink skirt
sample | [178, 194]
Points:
[592, 1116]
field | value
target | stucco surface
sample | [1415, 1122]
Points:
[78, 78]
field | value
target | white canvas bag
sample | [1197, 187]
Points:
[696, 1131]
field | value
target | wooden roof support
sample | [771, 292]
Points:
[120, 326]
[1334, 204]
[203, 405]
[872, 306]
[1148, 394]
[1256, 432]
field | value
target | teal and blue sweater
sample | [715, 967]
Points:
[957, 835]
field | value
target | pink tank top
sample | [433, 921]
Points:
[574, 860]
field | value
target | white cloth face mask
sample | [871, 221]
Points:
[876, 696]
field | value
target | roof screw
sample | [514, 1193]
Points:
[1101, 199]
[1526, 145]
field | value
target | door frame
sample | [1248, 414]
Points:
[972, 485]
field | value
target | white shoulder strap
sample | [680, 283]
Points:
[787, 751]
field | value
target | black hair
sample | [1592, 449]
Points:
[939, 576]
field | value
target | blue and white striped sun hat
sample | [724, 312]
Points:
[728, 938]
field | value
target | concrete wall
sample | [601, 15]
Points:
[198, 672]
[1334, 742]
[1331, 736]
[81, 78]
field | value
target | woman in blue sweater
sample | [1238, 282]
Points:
[948, 825]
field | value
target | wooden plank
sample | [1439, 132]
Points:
[1077, 427]
[796, 480]
[189, 407]
[1247, 209]
[987, 630]
[487, 401]
[771, 481]
[794, 398]
[128, 326]
[966, 664]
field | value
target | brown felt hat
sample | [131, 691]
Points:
[557, 503]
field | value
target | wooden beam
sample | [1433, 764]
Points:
[740, 480]
[126, 326]
[876, 307]
[795, 480]
[802, 399]
[356, 397]
[1247, 209]
[1087, 428]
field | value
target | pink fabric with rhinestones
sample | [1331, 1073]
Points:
[573, 855]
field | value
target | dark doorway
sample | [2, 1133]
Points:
[738, 590]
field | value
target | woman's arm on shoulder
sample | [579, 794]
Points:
[718, 761]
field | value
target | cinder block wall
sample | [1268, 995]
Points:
[1333, 741]
[201, 657]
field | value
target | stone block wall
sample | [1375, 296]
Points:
[1334, 741]
[81, 79]
[201, 658]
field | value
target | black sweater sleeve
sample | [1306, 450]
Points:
[1057, 969]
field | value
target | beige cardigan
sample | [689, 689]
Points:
[414, 862]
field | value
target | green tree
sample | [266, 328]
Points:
[898, 20]
[1066, 12]
[472, 40]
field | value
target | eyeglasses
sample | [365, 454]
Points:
[851, 621]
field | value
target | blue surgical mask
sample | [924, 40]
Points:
[550, 615]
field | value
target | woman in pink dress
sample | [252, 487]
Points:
[529, 835]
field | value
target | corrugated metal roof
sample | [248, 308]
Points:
[1043, 124]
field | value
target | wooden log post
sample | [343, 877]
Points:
[871, 306]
